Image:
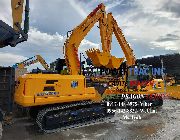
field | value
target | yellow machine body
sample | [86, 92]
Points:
[173, 91]
[43, 89]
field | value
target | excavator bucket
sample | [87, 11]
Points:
[98, 58]
[114, 63]
[7, 34]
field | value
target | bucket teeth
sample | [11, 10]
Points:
[114, 63]
[98, 58]
[104, 59]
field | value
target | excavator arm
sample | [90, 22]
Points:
[113, 27]
[107, 25]
[78, 34]
[31, 61]
[13, 36]
[113, 62]
[43, 62]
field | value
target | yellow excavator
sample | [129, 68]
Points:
[60, 102]
[13, 36]
[30, 61]
[21, 68]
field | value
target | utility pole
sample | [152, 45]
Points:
[163, 75]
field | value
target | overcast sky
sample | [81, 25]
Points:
[151, 27]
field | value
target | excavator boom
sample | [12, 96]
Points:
[107, 25]
[113, 27]
[78, 34]
[32, 60]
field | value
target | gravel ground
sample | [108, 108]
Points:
[163, 125]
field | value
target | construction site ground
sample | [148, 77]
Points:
[163, 125]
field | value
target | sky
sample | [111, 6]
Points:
[151, 27]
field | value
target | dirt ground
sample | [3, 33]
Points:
[163, 125]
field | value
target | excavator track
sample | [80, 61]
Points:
[63, 117]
